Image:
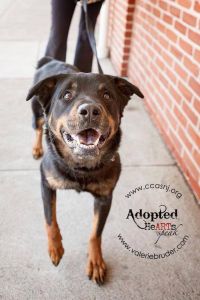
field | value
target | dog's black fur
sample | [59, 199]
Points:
[80, 109]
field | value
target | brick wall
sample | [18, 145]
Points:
[120, 31]
[157, 45]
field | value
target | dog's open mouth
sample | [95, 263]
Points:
[87, 139]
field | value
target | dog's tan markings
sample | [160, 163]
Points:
[96, 267]
[56, 182]
[55, 247]
[37, 150]
[74, 85]
[113, 125]
[103, 189]
[101, 86]
[60, 123]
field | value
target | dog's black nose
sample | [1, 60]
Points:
[89, 110]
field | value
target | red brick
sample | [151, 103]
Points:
[153, 32]
[175, 11]
[189, 19]
[181, 72]
[197, 6]
[194, 36]
[194, 135]
[185, 3]
[194, 85]
[151, 19]
[126, 50]
[197, 105]
[157, 48]
[171, 118]
[160, 26]
[180, 27]
[131, 1]
[193, 68]
[184, 139]
[129, 17]
[171, 35]
[197, 55]
[163, 80]
[163, 42]
[180, 116]
[163, 4]
[150, 52]
[130, 9]
[185, 46]
[177, 97]
[174, 141]
[168, 19]
[165, 96]
[196, 156]
[123, 73]
[193, 118]
[156, 12]
[185, 92]
[127, 42]
[159, 63]
[176, 52]
[170, 75]
[148, 7]
[127, 34]
[167, 58]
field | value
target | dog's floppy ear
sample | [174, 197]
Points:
[44, 89]
[127, 88]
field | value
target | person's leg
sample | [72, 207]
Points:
[62, 12]
[84, 55]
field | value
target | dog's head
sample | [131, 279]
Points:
[84, 110]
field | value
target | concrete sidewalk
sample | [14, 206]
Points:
[25, 269]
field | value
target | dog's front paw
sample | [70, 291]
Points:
[55, 247]
[56, 252]
[96, 267]
[37, 152]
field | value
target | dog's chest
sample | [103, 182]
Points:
[58, 182]
[101, 187]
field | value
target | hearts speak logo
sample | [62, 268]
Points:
[162, 221]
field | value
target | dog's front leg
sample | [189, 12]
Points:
[96, 267]
[38, 121]
[55, 247]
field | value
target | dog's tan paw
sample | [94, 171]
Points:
[56, 252]
[37, 152]
[96, 270]
[96, 267]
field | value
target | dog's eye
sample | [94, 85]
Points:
[68, 95]
[106, 95]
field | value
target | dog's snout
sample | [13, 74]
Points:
[89, 110]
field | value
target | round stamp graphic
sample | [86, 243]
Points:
[153, 226]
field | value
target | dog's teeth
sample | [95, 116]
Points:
[75, 137]
[87, 146]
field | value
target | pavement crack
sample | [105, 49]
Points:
[124, 166]
[18, 170]
[149, 165]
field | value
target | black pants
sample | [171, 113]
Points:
[62, 12]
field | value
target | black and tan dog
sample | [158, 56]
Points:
[82, 113]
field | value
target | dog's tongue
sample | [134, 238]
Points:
[88, 137]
